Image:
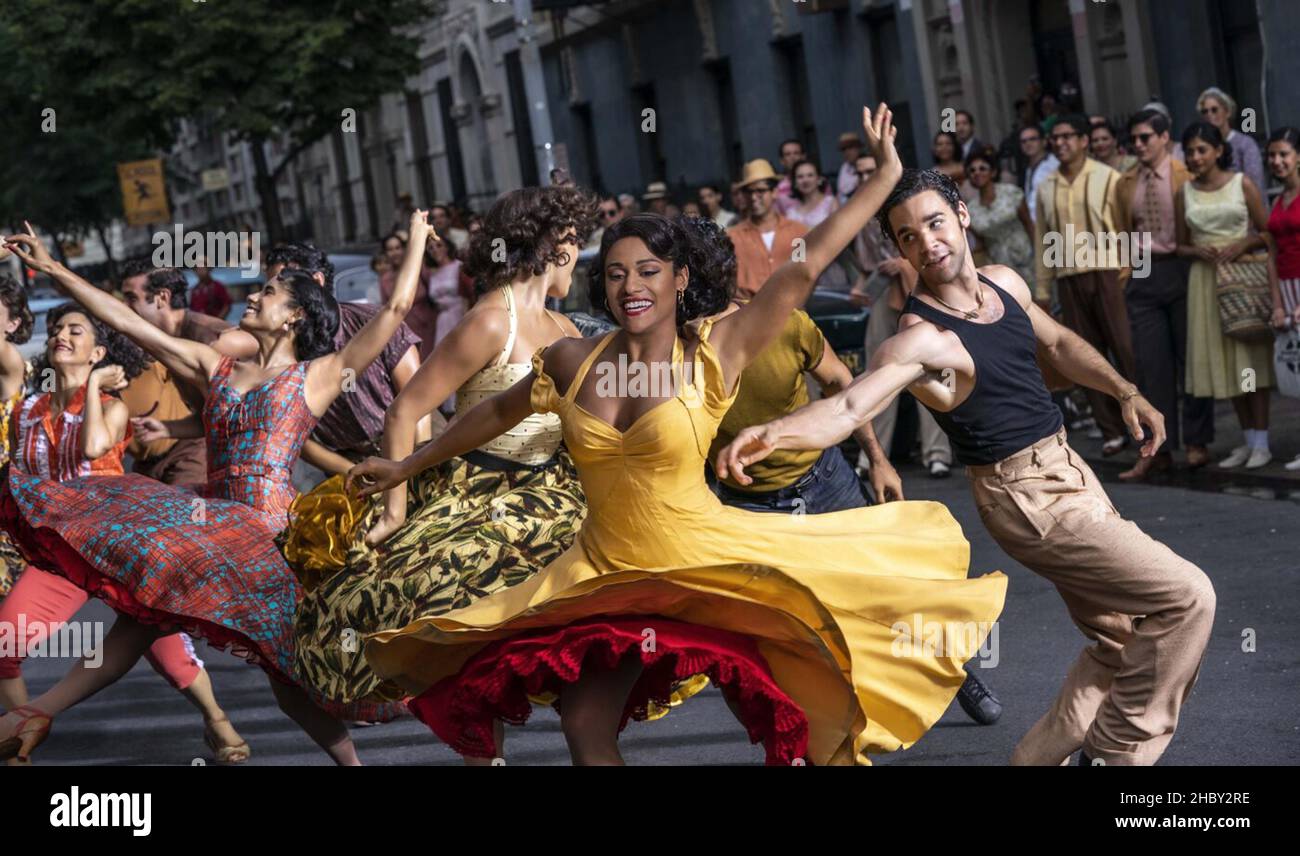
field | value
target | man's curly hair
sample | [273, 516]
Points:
[527, 225]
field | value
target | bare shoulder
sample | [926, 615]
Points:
[1009, 281]
[563, 358]
[487, 318]
[11, 359]
[917, 339]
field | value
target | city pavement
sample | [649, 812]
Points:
[1243, 711]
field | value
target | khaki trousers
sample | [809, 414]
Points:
[1147, 610]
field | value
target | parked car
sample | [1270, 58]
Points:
[843, 323]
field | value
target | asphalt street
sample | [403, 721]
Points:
[1244, 709]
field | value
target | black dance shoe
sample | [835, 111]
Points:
[978, 700]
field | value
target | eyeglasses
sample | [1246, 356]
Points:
[609, 212]
[1210, 108]
[1141, 139]
[1060, 138]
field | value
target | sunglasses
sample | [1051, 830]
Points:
[756, 191]
[1142, 138]
[609, 212]
[1060, 138]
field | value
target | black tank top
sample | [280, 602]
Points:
[1009, 408]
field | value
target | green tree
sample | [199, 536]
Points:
[261, 70]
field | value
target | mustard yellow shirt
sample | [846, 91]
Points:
[772, 386]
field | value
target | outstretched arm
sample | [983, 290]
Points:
[190, 361]
[491, 418]
[835, 377]
[899, 362]
[326, 375]
[742, 335]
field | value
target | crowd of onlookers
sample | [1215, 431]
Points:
[1191, 321]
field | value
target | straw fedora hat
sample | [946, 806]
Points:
[655, 190]
[758, 170]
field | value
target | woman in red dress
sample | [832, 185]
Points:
[166, 559]
[75, 430]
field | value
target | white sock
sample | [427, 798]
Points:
[1250, 437]
[1261, 439]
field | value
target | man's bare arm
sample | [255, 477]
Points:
[899, 362]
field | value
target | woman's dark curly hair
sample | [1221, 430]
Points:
[527, 225]
[313, 336]
[695, 243]
[14, 298]
[118, 349]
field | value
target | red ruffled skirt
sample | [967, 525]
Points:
[496, 682]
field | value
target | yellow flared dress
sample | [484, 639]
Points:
[815, 614]
[1217, 364]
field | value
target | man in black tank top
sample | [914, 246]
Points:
[966, 349]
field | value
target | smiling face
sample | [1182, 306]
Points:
[394, 251]
[1201, 157]
[1103, 144]
[71, 342]
[1215, 112]
[931, 235]
[271, 309]
[759, 195]
[1281, 160]
[641, 288]
[1147, 144]
[1069, 144]
[136, 296]
[980, 173]
[806, 179]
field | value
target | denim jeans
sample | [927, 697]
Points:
[830, 485]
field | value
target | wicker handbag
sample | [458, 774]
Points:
[1245, 303]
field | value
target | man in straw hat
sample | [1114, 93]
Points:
[846, 181]
[656, 198]
[764, 240]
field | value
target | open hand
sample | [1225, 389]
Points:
[880, 132]
[752, 444]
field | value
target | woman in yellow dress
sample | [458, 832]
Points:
[1213, 215]
[804, 622]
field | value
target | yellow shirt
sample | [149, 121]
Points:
[772, 386]
[1076, 228]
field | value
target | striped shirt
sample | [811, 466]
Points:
[50, 446]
